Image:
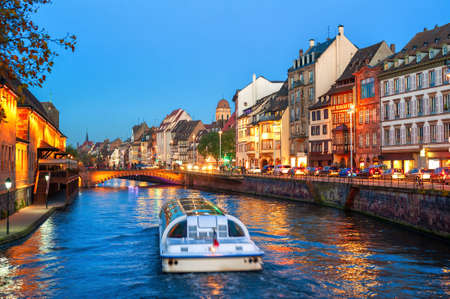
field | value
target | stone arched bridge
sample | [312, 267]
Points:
[90, 178]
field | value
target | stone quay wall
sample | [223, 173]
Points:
[426, 211]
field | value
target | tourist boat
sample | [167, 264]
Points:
[197, 236]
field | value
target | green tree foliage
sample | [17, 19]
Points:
[71, 150]
[209, 145]
[26, 50]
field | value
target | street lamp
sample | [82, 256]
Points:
[195, 156]
[47, 177]
[8, 185]
[350, 111]
[220, 145]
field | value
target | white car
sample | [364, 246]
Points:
[281, 169]
[254, 170]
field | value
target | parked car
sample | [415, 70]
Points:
[297, 171]
[393, 173]
[329, 170]
[421, 173]
[254, 170]
[373, 171]
[281, 169]
[267, 169]
[346, 172]
[441, 175]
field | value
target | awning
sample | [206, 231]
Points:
[45, 150]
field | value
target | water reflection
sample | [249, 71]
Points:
[107, 242]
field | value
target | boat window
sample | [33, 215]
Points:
[234, 230]
[179, 230]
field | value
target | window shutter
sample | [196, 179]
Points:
[402, 84]
[426, 133]
[414, 134]
[402, 134]
[382, 112]
[439, 76]
[413, 82]
[391, 135]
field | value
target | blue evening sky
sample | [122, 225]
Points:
[140, 59]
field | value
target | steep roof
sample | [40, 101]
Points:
[317, 49]
[29, 100]
[362, 57]
[422, 42]
[184, 128]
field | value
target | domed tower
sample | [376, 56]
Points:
[222, 112]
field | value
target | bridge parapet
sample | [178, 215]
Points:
[90, 178]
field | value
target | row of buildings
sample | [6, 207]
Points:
[175, 141]
[30, 139]
[340, 102]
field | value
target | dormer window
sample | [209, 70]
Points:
[444, 50]
[406, 59]
[431, 54]
[425, 44]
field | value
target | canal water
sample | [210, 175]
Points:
[106, 246]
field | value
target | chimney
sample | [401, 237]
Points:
[311, 42]
[341, 29]
[300, 53]
[254, 77]
[392, 48]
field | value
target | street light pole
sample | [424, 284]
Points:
[8, 185]
[220, 145]
[47, 177]
[350, 111]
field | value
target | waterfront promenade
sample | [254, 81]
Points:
[26, 220]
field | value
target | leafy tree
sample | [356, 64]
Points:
[70, 149]
[26, 50]
[209, 145]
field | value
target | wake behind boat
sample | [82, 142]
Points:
[197, 236]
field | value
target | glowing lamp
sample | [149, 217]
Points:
[8, 183]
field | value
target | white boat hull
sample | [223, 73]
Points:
[212, 264]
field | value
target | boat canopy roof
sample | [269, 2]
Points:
[175, 208]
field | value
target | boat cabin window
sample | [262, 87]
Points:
[234, 229]
[179, 230]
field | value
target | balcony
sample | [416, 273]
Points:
[341, 149]
[297, 83]
[299, 135]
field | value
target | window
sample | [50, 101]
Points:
[325, 147]
[419, 80]
[374, 138]
[420, 135]
[397, 85]
[386, 136]
[446, 131]
[318, 115]
[446, 102]
[367, 88]
[367, 139]
[298, 96]
[408, 83]
[311, 76]
[444, 50]
[374, 115]
[386, 111]
[361, 116]
[386, 87]
[301, 76]
[311, 93]
[397, 109]
[445, 74]
[234, 229]
[397, 135]
[324, 129]
[408, 107]
[293, 99]
[325, 114]
[431, 78]
[367, 116]
[408, 134]
[433, 104]
[361, 141]
[433, 132]
[179, 230]
[420, 106]
[313, 115]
